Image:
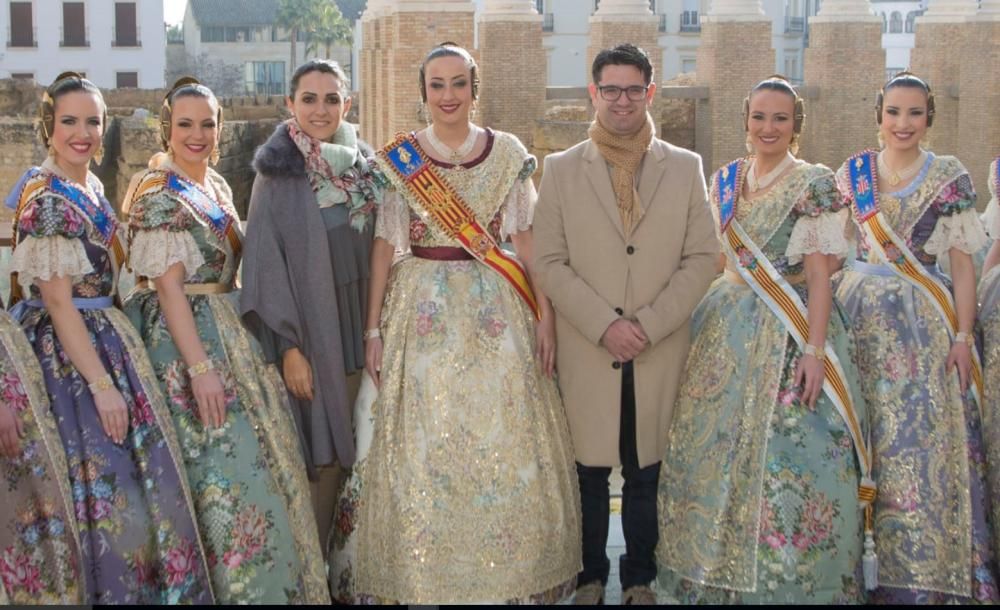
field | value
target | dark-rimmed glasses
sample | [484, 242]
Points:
[611, 93]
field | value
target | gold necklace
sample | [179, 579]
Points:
[895, 177]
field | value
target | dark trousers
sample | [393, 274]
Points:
[637, 566]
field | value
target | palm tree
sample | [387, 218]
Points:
[331, 28]
[298, 16]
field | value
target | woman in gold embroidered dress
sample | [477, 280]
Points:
[241, 451]
[758, 491]
[465, 488]
[989, 327]
[931, 529]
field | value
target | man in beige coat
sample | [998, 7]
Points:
[625, 248]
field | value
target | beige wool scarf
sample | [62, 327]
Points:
[624, 154]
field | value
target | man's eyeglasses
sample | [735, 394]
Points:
[611, 93]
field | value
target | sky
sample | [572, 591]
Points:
[173, 11]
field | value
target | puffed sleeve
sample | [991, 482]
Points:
[519, 206]
[51, 245]
[822, 225]
[958, 225]
[393, 221]
[161, 236]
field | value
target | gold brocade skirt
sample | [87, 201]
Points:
[465, 487]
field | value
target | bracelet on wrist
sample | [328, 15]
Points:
[966, 338]
[372, 333]
[815, 352]
[104, 383]
[200, 368]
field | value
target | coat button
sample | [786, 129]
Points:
[619, 311]
[616, 365]
[630, 250]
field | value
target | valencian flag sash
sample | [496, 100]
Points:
[897, 256]
[98, 213]
[203, 206]
[777, 293]
[440, 200]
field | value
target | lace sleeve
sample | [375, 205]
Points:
[962, 230]
[991, 217]
[44, 258]
[822, 225]
[393, 221]
[518, 208]
[828, 233]
[152, 252]
[958, 225]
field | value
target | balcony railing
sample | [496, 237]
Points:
[549, 22]
[795, 25]
[663, 23]
[21, 38]
[689, 21]
[123, 41]
[74, 40]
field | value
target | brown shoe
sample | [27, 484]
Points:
[590, 594]
[639, 595]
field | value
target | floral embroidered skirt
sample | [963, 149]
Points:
[138, 537]
[934, 539]
[758, 491]
[40, 560]
[251, 495]
[465, 488]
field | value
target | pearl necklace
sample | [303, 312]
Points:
[755, 184]
[893, 177]
[456, 155]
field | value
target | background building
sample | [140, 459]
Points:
[566, 33]
[898, 30]
[237, 47]
[115, 44]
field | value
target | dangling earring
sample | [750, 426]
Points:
[749, 144]
[52, 150]
[214, 157]
[881, 140]
[425, 114]
[925, 142]
[99, 155]
[793, 146]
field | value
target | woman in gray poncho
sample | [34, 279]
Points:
[305, 272]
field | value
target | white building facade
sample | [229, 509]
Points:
[898, 26]
[114, 44]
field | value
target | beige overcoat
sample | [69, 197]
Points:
[594, 274]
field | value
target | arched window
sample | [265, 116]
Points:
[910, 17]
[896, 23]
[885, 23]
